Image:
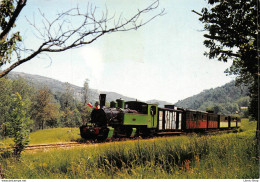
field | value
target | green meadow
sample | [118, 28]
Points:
[224, 156]
[47, 136]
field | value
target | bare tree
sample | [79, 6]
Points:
[63, 33]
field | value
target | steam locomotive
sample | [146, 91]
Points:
[134, 118]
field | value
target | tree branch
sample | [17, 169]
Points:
[214, 37]
[229, 53]
[19, 62]
[60, 35]
[196, 12]
[18, 9]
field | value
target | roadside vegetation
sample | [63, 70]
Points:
[229, 155]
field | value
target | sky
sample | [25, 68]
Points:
[162, 60]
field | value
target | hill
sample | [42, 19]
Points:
[227, 99]
[59, 87]
[159, 102]
[41, 81]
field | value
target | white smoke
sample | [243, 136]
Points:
[93, 64]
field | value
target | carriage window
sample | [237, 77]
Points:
[144, 109]
[194, 116]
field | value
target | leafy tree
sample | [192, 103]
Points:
[83, 108]
[77, 118]
[66, 98]
[243, 102]
[9, 11]
[85, 112]
[44, 108]
[19, 123]
[232, 107]
[85, 92]
[5, 94]
[8, 88]
[58, 34]
[232, 30]
[52, 119]
[245, 113]
[70, 115]
[217, 109]
[71, 118]
[25, 90]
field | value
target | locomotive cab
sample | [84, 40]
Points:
[139, 107]
[144, 115]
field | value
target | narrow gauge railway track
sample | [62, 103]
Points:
[110, 140]
[52, 145]
[74, 144]
[47, 146]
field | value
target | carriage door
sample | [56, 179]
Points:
[153, 115]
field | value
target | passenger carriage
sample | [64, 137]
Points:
[223, 122]
[212, 120]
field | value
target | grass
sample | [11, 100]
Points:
[47, 136]
[54, 135]
[225, 156]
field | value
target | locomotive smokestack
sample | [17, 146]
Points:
[102, 100]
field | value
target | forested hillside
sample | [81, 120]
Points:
[228, 99]
[58, 87]
[39, 108]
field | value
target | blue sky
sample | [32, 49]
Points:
[163, 60]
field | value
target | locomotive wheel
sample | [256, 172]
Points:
[104, 135]
[145, 132]
[85, 133]
[128, 132]
[122, 132]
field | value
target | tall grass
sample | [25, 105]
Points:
[233, 155]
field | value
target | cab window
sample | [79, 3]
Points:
[153, 110]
